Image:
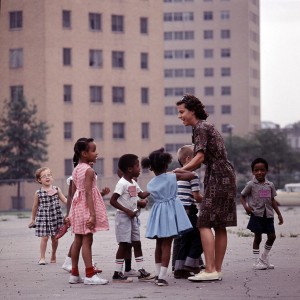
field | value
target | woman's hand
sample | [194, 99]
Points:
[105, 191]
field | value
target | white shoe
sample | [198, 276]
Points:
[265, 260]
[220, 276]
[259, 265]
[75, 279]
[95, 280]
[204, 276]
[67, 265]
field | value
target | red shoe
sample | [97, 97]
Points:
[61, 231]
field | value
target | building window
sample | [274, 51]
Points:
[168, 73]
[144, 95]
[168, 17]
[189, 72]
[118, 59]
[210, 109]
[144, 60]
[115, 165]
[225, 72]
[208, 72]
[170, 110]
[16, 58]
[117, 23]
[225, 15]
[119, 131]
[145, 131]
[68, 130]
[144, 25]
[96, 60]
[16, 92]
[96, 130]
[225, 90]
[99, 166]
[96, 94]
[66, 19]
[226, 109]
[68, 167]
[118, 94]
[15, 19]
[209, 91]
[225, 52]
[95, 21]
[67, 56]
[208, 34]
[168, 35]
[178, 73]
[225, 34]
[208, 53]
[67, 93]
[207, 15]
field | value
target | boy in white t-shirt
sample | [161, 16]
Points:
[126, 200]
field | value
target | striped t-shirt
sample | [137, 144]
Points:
[185, 190]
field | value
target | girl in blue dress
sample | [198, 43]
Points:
[168, 217]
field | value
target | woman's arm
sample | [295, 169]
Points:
[195, 163]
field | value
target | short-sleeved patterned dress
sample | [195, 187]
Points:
[79, 212]
[218, 207]
[167, 217]
[49, 215]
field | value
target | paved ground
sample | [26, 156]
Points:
[22, 278]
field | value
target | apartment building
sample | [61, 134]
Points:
[93, 68]
[211, 50]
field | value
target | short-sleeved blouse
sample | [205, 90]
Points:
[218, 208]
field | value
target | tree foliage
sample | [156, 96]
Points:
[22, 140]
[270, 144]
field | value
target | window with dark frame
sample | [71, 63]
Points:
[15, 19]
[66, 19]
[68, 128]
[145, 95]
[67, 56]
[118, 94]
[95, 59]
[96, 93]
[118, 131]
[117, 23]
[144, 60]
[67, 93]
[96, 130]
[118, 59]
[145, 131]
[16, 92]
[95, 21]
[16, 58]
[143, 25]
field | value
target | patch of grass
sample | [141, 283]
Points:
[282, 235]
[3, 219]
[244, 234]
[294, 235]
[22, 216]
[139, 297]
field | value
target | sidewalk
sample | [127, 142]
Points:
[22, 278]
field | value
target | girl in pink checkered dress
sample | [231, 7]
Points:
[88, 212]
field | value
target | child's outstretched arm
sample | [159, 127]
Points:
[143, 195]
[275, 207]
[89, 176]
[187, 175]
[61, 196]
[34, 209]
[247, 208]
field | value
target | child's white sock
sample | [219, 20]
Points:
[163, 273]
[267, 250]
[157, 267]
[119, 265]
[255, 254]
[139, 262]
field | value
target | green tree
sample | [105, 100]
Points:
[22, 141]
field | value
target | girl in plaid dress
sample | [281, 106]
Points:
[47, 216]
[88, 212]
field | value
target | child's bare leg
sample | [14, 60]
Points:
[166, 251]
[54, 248]
[87, 249]
[76, 246]
[256, 241]
[43, 247]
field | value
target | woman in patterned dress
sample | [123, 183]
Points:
[47, 216]
[88, 212]
[218, 208]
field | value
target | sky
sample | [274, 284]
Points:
[280, 61]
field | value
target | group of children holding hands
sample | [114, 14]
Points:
[173, 215]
